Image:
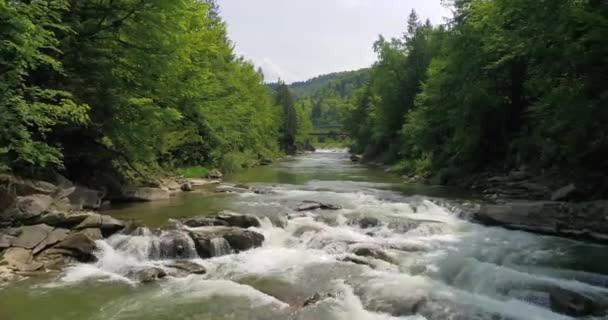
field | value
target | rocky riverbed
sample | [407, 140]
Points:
[314, 237]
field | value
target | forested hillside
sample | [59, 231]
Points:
[124, 88]
[506, 84]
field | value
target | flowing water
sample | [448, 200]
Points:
[427, 262]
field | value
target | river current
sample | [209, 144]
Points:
[429, 261]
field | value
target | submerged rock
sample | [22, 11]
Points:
[187, 187]
[147, 275]
[368, 222]
[372, 252]
[187, 266]
[355, 158]
[575, 304]
[313, 205]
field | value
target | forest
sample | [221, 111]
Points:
[128, 89]
[504, 85]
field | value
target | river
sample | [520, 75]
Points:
[435, 265]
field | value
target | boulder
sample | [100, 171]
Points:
[368, 222]
[292, 294]
[21, 259]
[106, 224]
[187, 187]
[238, 239]
[355, 158]
[574, 304]
[28, 207]
[316, 298]
[62, 219]
[6, 241]
[25, 187]
[581, 221]
[85, 198]
[564, 193]
[175, 245]
[32, 236]
[313, 205]
[55, 236]
[239, 220]
[375, 253]
[148, 194]
[187, 266]
[215, 174]
[357, 260]
[146, 275]
[80, 245]
[204, 222]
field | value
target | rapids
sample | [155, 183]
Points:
[418, 259]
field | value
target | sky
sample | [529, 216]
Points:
[299, 39]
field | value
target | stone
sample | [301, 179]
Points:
[564, 193]
[62, 219]
[357, 260]
[21, 259]
[204, 222]
[573, 304]
[85, 198]
[29, 207]
[187, 266]
[368, 222]
[55, 236]
[239, 239]
[25, 187]
[175, 245]
[148, 194]
[375, 253]
[355, 158]
[106, 224]
[581, 221]
[187, 187]
[32, 236]
[239, 220]
[313, 205]
[81, 245]
[146, 275]
[316, 298]
[290, 293]
[215, 174]
[6, 241]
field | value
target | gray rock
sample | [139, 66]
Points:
[564, 193]
[313, 205]
[215, 174]
[368, 222]
[32, 236]
[146, 275]
[176, 245]
[21, 259]
[239, 220]
[28, 207]
[6, 241]
[187, 266]
[187, 187]
[26, 187]
[238, 238]
[106, 224]
[85, 198]
[582, 221]
[204, 222]
[574, 304]
[148, 194]
[62, 219]
[355, 158]
[55, 236]
[81, 245]
[375, 253]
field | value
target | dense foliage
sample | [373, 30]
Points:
[127, 86]
[505, 84]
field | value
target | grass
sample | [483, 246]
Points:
[193, 172]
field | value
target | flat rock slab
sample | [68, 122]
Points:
[106, 224]
[32, 236]
[21, 260]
